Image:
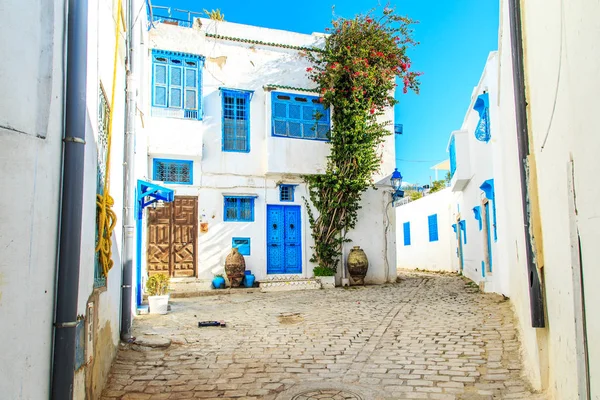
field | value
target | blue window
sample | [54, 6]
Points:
[482, 131]
[286, 192]
[236, 120]
[172, 171]
[433, 228]
[239, 209]
[242, 244]
[407, 233]
[177, 84]
[298, 116]
[452, 151]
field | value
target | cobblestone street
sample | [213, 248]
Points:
[426, 337]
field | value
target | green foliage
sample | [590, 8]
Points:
[356, 74]
[436, 186]
[215, 14]
[448, 178]
[323, 271]
[157, 285]
[413, 194]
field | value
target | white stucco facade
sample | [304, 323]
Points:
[270, 160]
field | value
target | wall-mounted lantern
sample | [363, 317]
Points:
[396, 181]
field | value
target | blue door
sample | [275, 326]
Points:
[284, 245]
[489, 233]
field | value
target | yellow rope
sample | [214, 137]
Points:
[106, 217]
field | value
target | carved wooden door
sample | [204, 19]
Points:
[172, 238]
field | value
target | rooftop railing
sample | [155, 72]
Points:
[173, 16]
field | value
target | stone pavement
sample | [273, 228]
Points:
[430, 336]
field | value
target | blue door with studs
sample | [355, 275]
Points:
[284, 245]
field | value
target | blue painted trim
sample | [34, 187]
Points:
[452, 151]
[238, 208]
[138, 262]
[483, 269]
[406, 228]
[236, 94]
[310, 101]
[190, 163]
[244, 249]
[490, 192]
[477, 212]
[433, 228]
[489, 233]
[463, 228]
[292, 189]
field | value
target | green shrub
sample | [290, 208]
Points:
[323, 271]
[157, 285]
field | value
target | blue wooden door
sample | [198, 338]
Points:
[284, 245]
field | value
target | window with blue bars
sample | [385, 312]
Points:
[299, 116]
[238, 209]
[286, 192]
[406, 233]
[482, 130]
[177, 83]
[102, 149]
[452, 151]
[236, 120]
[172, 171]
[433, 228]
[242, 244]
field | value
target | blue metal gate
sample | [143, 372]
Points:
[284, 244]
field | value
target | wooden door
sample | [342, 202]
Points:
[172, 240]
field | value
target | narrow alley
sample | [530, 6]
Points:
[429, 336]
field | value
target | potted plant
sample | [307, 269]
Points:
[218, 281]
[157, 287]
[326, 276]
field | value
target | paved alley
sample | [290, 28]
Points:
[429, 336]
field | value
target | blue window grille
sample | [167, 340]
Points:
[242, 244]
[298, 116]
[482, 131]
[406, 233]
[452, 151]
[286, 192]
[433, 228]
[102, 150]
[172, 171]
[177, 84]
[236, 120]
[238, 209]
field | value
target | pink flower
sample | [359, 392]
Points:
[372, 111]
[309, 69]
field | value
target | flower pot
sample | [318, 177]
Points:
[327, 282]
[249, 280]
[158, 304]
[218, 282]
[235, 266]
[357, 265]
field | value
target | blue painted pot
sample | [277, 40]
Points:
[249, 281]
[218, 282]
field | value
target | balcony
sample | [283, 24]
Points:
[173, 16]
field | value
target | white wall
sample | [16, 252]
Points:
[439, 255]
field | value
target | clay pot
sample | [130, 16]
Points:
[357, 264]
[235, 267]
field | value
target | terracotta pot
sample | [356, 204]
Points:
[235, 267]
[357, 265]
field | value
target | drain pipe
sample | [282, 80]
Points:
[536, 302]
[129, 185]
[67, 287]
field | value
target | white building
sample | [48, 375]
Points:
[31, 154]
[234, 145]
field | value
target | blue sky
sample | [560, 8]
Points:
[456, 37]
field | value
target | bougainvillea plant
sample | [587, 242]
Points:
[356, 74]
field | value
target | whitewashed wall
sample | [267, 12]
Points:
[439, 255]
[270, 160]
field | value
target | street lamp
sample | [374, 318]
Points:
[396, 181]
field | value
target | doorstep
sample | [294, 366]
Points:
[283, 284]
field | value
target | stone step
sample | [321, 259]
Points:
[280, 285]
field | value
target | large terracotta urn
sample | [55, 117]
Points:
[357, 264]
[235, 267]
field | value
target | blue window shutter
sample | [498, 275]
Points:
[242, 244]
[238, 209]
[452, 151]
[160, 85]
[172, 171]
[236, 120]
[191, 89]
[175, 86]
[406, 233]
[298, 116]
[286, 192]
[433, 228]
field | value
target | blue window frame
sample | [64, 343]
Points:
[177, 83]
[238, 209]
[242, 244]
[298, 116]
[236, 120]
[482, 131]
[407, 233]
[433, 228]
[172, 171]
[286, 192]
[452, 151]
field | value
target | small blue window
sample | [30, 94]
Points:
[286, 192]
[238, 209]
[242, 244]
[177, 84]
[298, 116]
[407, 233]
[452, 150]
[433, 228]
[236, 120]
[172, 171]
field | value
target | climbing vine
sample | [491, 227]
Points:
[356, 75]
